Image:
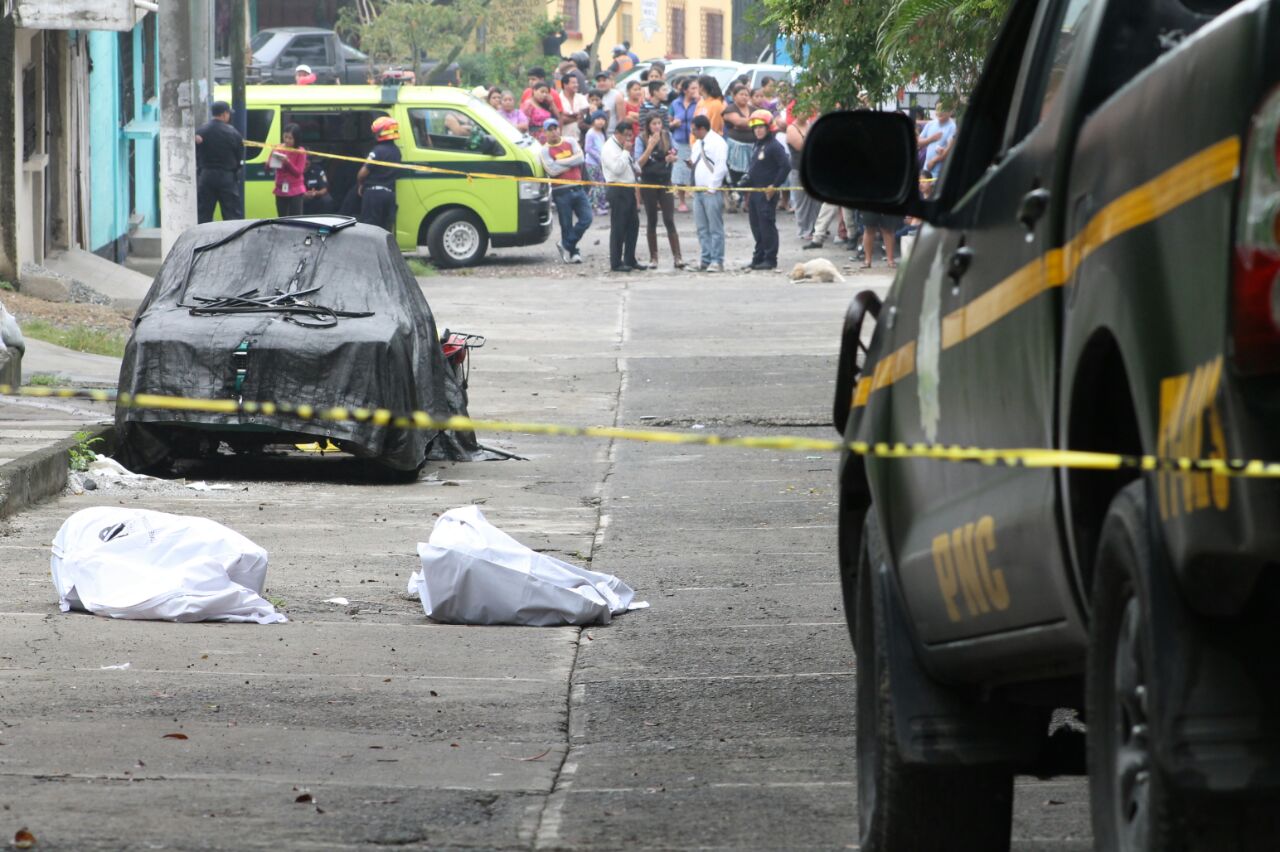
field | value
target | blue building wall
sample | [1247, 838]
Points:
[112, 137]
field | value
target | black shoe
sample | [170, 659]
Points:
[623, 268]
[764, 266]
[811, 245]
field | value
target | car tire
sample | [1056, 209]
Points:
[1134, 803]
[380, 472]
[457, 238]
[912, 806]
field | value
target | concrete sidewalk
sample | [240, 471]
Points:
[36, 434]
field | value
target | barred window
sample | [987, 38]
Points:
[676, 29]
[572, 24]
[712, 34]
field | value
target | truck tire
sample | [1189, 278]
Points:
[457, 238]
[1130, 800]
[912, 806]
[1135, 806]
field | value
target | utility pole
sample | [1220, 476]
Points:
[178, 100]
[239, 116]
[10, 156]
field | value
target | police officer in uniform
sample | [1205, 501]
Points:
[770, 167]
[317, 198]
[376, 182]
[219, 149]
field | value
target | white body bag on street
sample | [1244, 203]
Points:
[140, 564]
[473, 573]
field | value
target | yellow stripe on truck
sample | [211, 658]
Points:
[1184, 182]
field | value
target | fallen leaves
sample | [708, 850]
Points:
[175, 737]
[23, 839]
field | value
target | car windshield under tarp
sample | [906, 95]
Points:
[289, 262]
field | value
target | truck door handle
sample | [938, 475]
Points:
[959, 263]
[1033, 205]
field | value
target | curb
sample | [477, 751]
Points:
[40, 475]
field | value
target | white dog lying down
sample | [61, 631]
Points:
[818, 269]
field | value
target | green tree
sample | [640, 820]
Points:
[876, 46]
[493, 41]
[414, 29]
[943, 41]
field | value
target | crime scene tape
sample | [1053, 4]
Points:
[1025, 457]
[418, 167]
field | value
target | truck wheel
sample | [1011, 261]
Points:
[1135, 806]
[912, 806]
[1129, 797]
[457, 238]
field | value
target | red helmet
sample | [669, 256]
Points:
[760, 117]
[386, 127]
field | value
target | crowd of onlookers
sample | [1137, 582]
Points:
[662, 145]
[657, 133]
[647, 132]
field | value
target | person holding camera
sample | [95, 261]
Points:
[770, 166]
[655, 155]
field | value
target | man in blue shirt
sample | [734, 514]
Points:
[936, 138]
[770, 167]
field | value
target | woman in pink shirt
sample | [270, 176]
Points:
[538, 109]
[291, 169]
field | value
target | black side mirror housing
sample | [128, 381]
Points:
[865, 160]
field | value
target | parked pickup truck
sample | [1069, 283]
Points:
[1098, 272]
[277, 52]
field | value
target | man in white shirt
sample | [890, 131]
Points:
[573, 107]
[709, 162]
[624, 215]
[608, 99]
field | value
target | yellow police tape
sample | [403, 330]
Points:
[1029, 458]
[418, 167]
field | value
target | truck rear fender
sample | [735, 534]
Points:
[1101, 418]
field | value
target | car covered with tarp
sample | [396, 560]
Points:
[311, 310]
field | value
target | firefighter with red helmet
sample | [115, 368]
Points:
[376, 181]
[770, 167]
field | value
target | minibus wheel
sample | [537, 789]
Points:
[457, 237]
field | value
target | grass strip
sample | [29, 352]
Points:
[81, 338]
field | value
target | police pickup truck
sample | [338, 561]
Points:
[277, 52]
[1100, 271]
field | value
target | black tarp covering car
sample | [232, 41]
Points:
[303, 310]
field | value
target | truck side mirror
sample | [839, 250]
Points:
[865, 160]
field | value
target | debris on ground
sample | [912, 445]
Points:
[107, 474]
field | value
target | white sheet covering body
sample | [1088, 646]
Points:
[473, 573]
[140, 564]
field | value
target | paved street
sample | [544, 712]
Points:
[721, 717]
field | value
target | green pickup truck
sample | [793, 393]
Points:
[1100, 271]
